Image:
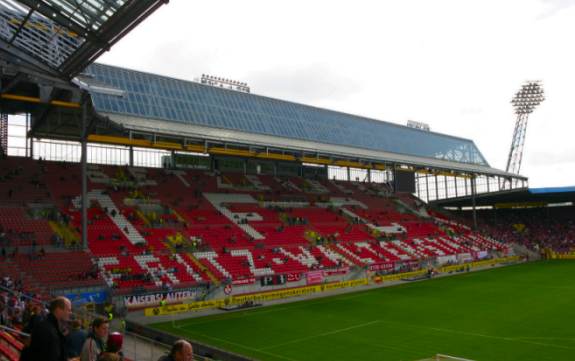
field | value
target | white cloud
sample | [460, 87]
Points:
[315, 83]
[450, 63]
[554, 7]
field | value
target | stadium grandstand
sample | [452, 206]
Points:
[138, 196]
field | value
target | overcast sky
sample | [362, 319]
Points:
[454, 64]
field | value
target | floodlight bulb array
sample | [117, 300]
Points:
[528, 97]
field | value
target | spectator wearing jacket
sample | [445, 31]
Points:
[47, 340]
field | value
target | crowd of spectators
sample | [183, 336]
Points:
[50, 332]
[548, 228]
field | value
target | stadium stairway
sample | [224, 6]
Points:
[334, 256]
[203, 269]
[119, 219]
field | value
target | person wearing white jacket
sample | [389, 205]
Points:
[96, 341]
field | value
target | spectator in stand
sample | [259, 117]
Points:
[47, 339]
[75, 339]
[181, 351]
[96, 341]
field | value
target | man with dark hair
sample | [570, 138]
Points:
[181, 351]
[47, 340]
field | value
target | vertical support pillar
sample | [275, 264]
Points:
[348, 174]
[445, 186]
[27, 146]
[487, 178]
[29, 137]
[427, 186]
[4, 134]
[32, 147]
[473, 192]
[436, 188]
[456, 192]
[131, 154]
[84, 166]
[369, 175]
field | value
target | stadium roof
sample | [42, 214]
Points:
[150, 102]
[62, 37]
[514, 198]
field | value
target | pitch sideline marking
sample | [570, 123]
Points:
[447, 330]
[545, 338]
[246, 347]
[250, 313]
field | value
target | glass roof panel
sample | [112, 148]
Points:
[197, 104]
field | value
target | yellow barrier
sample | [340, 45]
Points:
[446, 269]
[555, 255]
[399, 276]
[486, 262]
[257, 297]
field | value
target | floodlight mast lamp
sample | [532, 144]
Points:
[525, 101]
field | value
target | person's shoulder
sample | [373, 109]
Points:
[42, 325]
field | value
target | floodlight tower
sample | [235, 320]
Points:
[525, 101]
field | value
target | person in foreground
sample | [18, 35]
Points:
[47, 340]
[96, 342]
[181, 351]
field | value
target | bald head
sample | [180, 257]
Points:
[182, 351]
[61, 308]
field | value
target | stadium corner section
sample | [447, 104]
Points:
[317, 289]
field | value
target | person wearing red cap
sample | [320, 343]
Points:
[113, 348]
[115, 341]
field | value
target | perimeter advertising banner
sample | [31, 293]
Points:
[255, 297]
[293, 277]
[154, 299]
[314, 277]
[244, 281]
[386, 266]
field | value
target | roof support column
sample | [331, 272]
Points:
[487, 178]
[131, 153]
[456, 193]
[427, 186]
[446, 190]
[436, 188]
[473, 191]
[348, 174]
[84, 143]
[29, 138]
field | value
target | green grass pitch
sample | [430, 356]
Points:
[522, 312]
